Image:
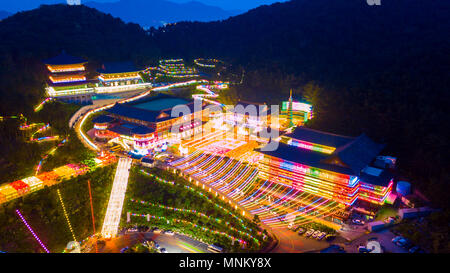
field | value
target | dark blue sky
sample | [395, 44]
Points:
[243, 5]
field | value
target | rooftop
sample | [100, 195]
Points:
[130, 129]
[382, 178]
[150, 109]
[102, 119]
[318, 137]
[350, 158]
[64, 59]
[305, 157]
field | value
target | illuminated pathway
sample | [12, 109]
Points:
[114, 210]
[276, 205]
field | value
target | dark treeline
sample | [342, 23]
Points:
[382, 70]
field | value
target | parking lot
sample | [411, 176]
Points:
[176, 243]
[384, 237]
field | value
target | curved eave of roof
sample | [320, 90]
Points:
[75, 83]
[319, 137]
[134, 113]
[358, 153]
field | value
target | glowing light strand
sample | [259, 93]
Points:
[32, 232]
[66, 215]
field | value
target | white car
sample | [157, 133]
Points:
[358, 222]
[316, 233]
[309, 232]
[321, 236]
[169, 232]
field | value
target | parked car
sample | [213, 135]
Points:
[416, 249]
[413, 249]
[124, 249]
[363, 249]
[309, 232]
[321, 236]
[316, 233]
[301, 231]
[163, 250]
[395, 239]
[406, 244]
[402, 242]
[132, 230]
[169, 232]
[358, 222]
[293, 227]
[156, 230]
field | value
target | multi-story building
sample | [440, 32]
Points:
[148, 122]
[328, 165]
[119, 76]
[295, 113]
[67, 78]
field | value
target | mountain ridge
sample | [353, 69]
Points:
[4, 14]
[159, 12]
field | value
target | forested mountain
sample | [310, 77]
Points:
[383, 70]
[4, 14]
[335, 41]
[158, 12]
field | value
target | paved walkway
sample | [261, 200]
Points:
[114, 210]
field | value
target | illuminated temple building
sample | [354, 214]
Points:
[147, 123]
[328, 165]
[67, 78]
[295, 113]
[246, 119]
[119, 76]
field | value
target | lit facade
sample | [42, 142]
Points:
[119, 76]
[295, 113]
[147, 123]
[327, 165]
[247, 119]
[67, 76]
